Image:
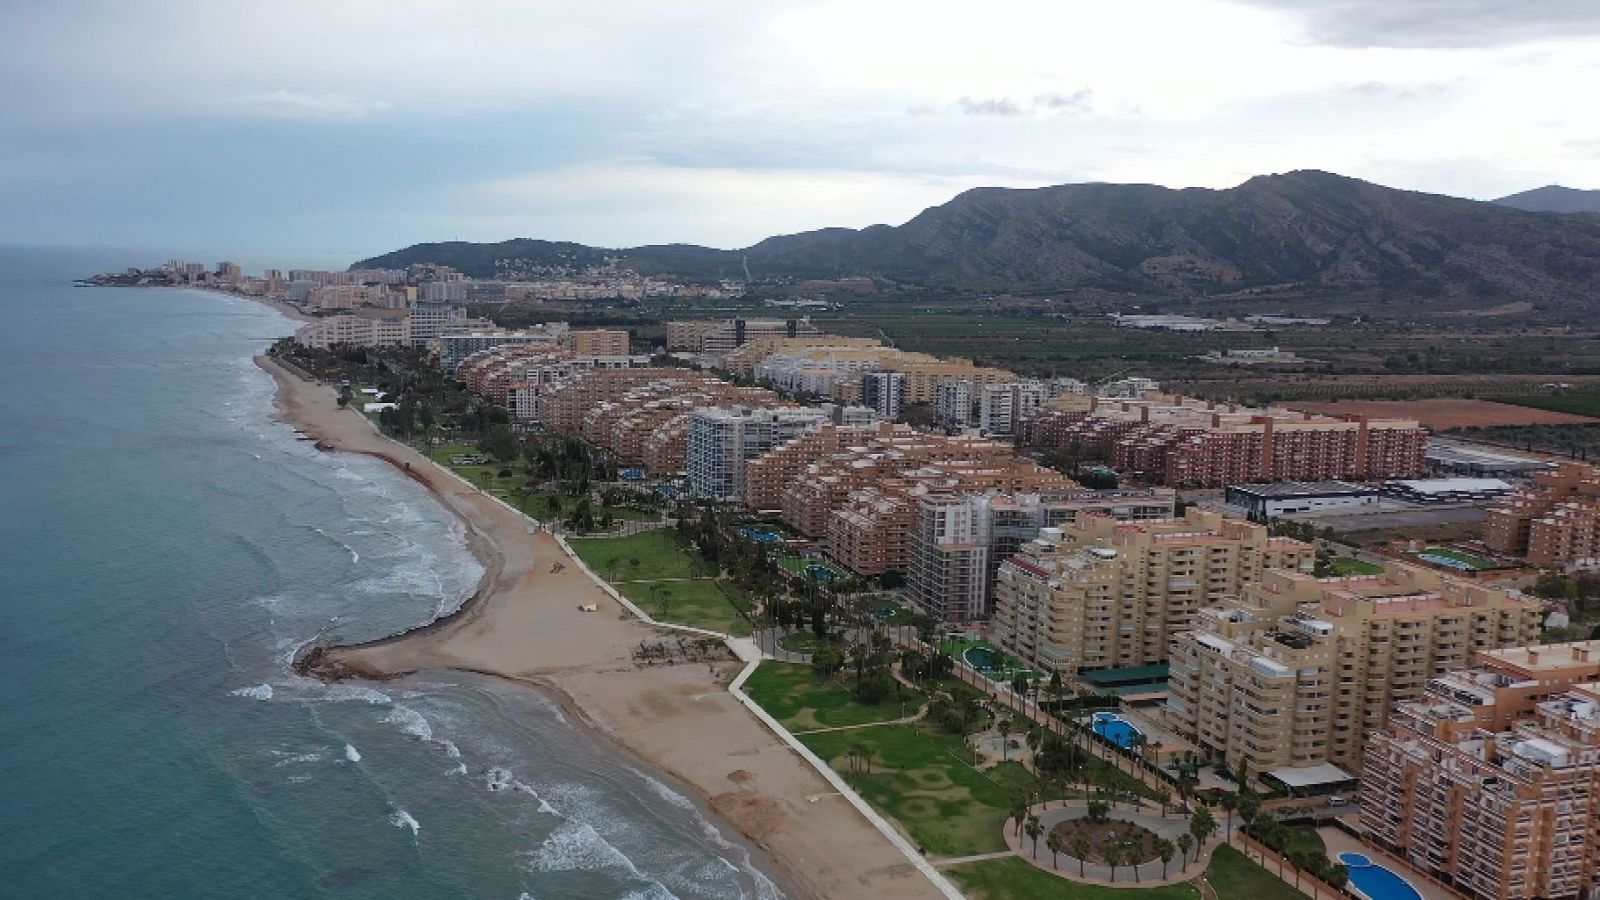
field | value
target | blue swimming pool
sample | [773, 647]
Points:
[1377, 882]
[762, 535]
[1115, 729]
[821, 573]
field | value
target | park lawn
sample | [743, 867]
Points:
[795, 696]
[800, 642]
[1305, 836]
[702, 603]
[926, 781]
[1349, 565]
[1015, 879]
[1234, 875]
[659, 552]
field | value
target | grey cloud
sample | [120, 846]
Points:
[992, 106]
[1077, 101]
[1440, 23]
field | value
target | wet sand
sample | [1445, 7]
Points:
[524, 623]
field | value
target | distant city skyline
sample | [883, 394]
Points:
[315, 134]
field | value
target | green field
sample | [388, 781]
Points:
[1234, 875]
[795, 696]
[926, 781]
[655, 570]
[703, 603]
[1014, 879]
[1577, 404]
[659, 553]
[1342, 566]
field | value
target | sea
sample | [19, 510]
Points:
[165, 547]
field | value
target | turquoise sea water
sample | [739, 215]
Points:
[165, 546]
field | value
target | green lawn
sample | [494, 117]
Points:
[1234, 875]
[1014, 879]
[794, 695]
[799, 642]
[1342, 566]
[1010, 665]
[703, 603]
[659, 553]
[926, 781]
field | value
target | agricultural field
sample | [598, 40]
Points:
[1575, 404]
[1444, 413]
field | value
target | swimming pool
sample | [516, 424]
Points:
[1115, 729]
[821, 573]
[762, 535]
[1377, 882]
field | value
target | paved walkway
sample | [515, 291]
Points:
[1148, 873]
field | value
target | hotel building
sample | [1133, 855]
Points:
[1100, 593]
[1297, 671]
[1490, 781]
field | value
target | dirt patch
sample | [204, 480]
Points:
[1446, 412]
[755, 815]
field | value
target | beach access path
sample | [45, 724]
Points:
[525, 623]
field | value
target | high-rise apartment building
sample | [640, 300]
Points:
[1554, 521]
[952, 402]
[721, 439]
[598, 342]
[884, 392]
[1101, 593]
[1001, 407]
[961, 539]
[1490, 781]
[1297, 671]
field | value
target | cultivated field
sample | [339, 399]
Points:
[1444, 413]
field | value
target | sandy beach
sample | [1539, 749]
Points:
[524, 623]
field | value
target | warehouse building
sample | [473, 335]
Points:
[1267, 500]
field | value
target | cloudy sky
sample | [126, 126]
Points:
[330, 129]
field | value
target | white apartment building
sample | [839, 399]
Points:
[721, 439]
[445, 291]
[1002, 406]
[453, 348]
[884, 392]
[371, 328]
[952, 402]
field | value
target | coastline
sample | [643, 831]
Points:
[523, 624]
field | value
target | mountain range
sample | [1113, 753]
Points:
[1304, 233]
[1554, 198]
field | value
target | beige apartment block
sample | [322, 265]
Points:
[1553, 522]
[598, 342]
[767, 475]
[1297, 670]
[1490, 781]
[1101, 593]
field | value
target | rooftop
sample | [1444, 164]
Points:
[1303, 489]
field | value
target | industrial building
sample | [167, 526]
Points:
[1263, 501]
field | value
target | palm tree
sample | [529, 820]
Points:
[1056, 847]
[1034, 829]
[1113, 857]
[1229, 803]
[1006, 729]
[1135, 849]
[1202, 825]
[1080, 849]
[1019, 812]
[1165, 850]
[1185, 841]
[865, 754]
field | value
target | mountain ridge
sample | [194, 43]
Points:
[1553, 198]
[1312, 232]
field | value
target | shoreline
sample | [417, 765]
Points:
[523, 624]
